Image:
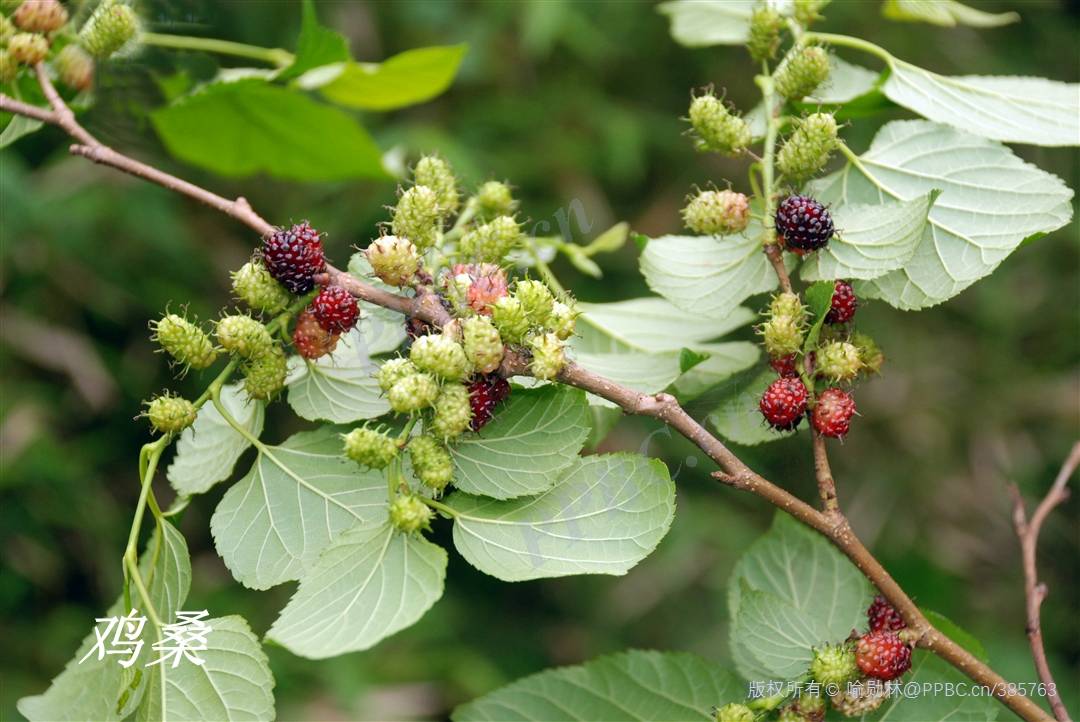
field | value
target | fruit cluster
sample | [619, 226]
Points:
[856, 675]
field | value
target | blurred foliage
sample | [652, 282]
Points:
[578, 105]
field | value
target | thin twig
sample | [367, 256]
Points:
[425, 305]
[776, 258]
[10, 105]
[1034, 590]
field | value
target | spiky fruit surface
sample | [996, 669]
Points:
[40, 16]
[417, 217]
[9, 66]
[108, 29]
[435, 173]
[441, 355]
[491, 241]
[293, 256]
[75, 67]
[548, 355]
[734, 712]
[415, 328]
[310, 339]
[808, 149]
[510, 318]
[838, 360]
[370, 448]
[169, 414]
[883, 617]
[485, 393]
[765, 24]
[781, 336]
[807, 11]
[536, 299]
[28, 48]
[264, 376]
[483, 345]
[844, 303]
[832, 413]
[453, 412]
[803, 225]
[784, 403]
[869, 353]
[184, 341]
[494, 199]
[7, 30]
[254, 285]
[409, 514]
[563, 320]
[431, 462]
[802, 72]
[882, 655]
[834, 664]
[715, 128]
[242, 335]
[785, 365]
[717, 212]
[858, 699]
[412, 393]
[335, 309]
[394, 260]
[810, 707]
[787, 305]
[393, 371]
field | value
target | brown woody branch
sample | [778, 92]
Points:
[735, 473]
[1027, 531]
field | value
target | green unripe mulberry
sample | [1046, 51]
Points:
[802, 71]
[28, 48]
[264, 375]
[536, 300]
[370, 448]
[510, 318]
[242, 335]
[788, 305]
[548, 356]
[393, 371]
[40, 16]
[184, 341]
[254, 285]
[9, 66]
[563, 320]
[409, 514]
[7, 30]
[717, 213]
[491, 242]
[441, 355]
[838, 361]
[783, 332]
[808, 149]
[434, 172]
[716, 128]
[492, 200]
[169, 414]
[109, 29]
[418, 218]
[870, 353]
[734, 713]
[431, 462]
[412, 393]
[765, 24]
[834, 664]
[453, 413]
[483, 345]
[394, 260]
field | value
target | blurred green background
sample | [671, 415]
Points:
[569, 101]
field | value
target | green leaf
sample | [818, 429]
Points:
[724, 361]
[368, 584]
[17, 127]
[699, 23]
[316, 46]
[271, 525]
[208, 450]
[990, 202]
[927, 671]
[635, 686]
[102, 689]
[605, 515]
[382, 328]
[708, 276]
[233, 683]
[736, 417]
[1006, 108]
[947, 13]
[819, 301]
[580, 260]
[408, 78]
[653, 324]
[778, 635]
[872, 239]
[846, 82]
[249, 126]
[532, 439]
[609, 241]
[950, 629]
[338, 387]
